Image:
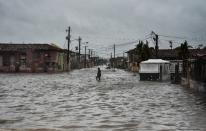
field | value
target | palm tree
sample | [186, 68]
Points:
[183, 53]
[183, 50]
[143, 51]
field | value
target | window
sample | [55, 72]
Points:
[6, 60]
[36, 55]
[23, 59]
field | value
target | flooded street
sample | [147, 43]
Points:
[76, 101]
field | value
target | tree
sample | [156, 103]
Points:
[183, 50]
[146, 51]
[200, 46]
[143, 51]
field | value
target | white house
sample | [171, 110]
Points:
[154, 69]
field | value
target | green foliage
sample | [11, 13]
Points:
[143, 51]
[200, 46]
[183, 51]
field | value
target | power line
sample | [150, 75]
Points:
[131, 42]
[171, 40]
[177, 37]
[184, 38]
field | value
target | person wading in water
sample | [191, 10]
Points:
[98, 77]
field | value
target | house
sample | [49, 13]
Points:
[133, 60]
[165, 54]
[95, 61]
[118, 62]
[33, 57]
[172, 54]
[154, 70]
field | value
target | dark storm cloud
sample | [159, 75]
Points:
[102, 22]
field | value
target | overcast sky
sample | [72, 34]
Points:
[102, 22]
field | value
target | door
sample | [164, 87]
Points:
[12, 60]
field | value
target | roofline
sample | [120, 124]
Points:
[51, 45]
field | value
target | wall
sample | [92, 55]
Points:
[194, 75]
[149, 68]
[195, 85]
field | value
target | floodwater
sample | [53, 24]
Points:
[76, 101]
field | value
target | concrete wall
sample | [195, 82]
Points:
[192, 84]
[32, 61]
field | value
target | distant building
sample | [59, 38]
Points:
[172, 54]
[74, 57]
[164, 54]
[192, 71]
[133, 60]
[32, 58]
[118, 62]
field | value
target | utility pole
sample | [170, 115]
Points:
[123, 61]
[111, 61]
[89, 64]
[114, 57]
[95, 59]
[68, 51]
[79, 58]
[92, 62]
[85, 57]
[156, 39]
[156, 46]
[94, 54]
[171, 44]
[89, 53]
[114, 50]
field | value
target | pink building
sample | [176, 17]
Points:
[32, 58]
